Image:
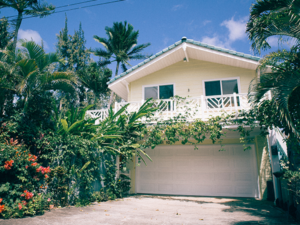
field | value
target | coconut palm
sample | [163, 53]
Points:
[120, 47]
[273, 18]
[26, 7]
[36, 72]
[284, 83]
[278, 18]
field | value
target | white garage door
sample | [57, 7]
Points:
[181, 170]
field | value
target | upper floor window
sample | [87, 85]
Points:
[159, 91]
[221, 87]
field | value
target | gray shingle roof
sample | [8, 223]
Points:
[198, 43]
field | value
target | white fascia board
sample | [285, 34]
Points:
[238, 58]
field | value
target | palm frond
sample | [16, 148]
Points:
[34, 50]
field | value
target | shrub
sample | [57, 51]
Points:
[22, 180]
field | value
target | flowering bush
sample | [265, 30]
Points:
[22, 181]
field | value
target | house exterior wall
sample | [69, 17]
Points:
[262, 155]
[190, 75]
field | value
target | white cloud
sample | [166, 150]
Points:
[32, 35]
[273, 41]
[236, 31]
[176, 7]
[216, 42]
[205, 22]
[166, 41]
[237, 28]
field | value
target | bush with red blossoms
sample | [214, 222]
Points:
[21, 179]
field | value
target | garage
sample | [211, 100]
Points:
[181, 170]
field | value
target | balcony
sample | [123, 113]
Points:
[193, 108]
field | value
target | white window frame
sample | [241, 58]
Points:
[221, 79]
[157, 85]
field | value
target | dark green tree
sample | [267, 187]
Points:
[72, 49]
[26, 7]
[120, 47]
[95, 78]
[5, 36]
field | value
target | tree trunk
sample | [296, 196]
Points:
[18, 24]
[113, 93]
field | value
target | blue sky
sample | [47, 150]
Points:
[160, 22]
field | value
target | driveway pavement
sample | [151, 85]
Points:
[145, 209]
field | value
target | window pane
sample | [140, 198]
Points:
[151, 92]
[212, 88]
[229, 87]
[166, 91]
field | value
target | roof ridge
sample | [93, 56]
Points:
[191, 41]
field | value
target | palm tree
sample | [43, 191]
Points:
[278, 18]
[36, 72]
[26, 7]
[120, 47]
[284, 83]
[95, 78]
[273, 18]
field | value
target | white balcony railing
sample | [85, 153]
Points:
[192, 108]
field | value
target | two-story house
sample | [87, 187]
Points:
[213, 80]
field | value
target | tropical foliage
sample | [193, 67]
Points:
[34, 72]
[120, 47]
[26, 7]
[279, 70]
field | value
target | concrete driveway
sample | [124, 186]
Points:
[145, 209]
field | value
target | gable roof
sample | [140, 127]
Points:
[241, 60]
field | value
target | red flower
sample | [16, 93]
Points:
[49, 200]
[28, 195]
[22, 195]
[26, 167]
[43, 169]
[46, 176]
[24, 203]
[8, 164]
[1, 208]
[34, 164]
[1, 200]
[32, 158]
[20, 206]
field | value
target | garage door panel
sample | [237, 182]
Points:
[242, 164]
[203, 177]
[148, 177]
[242, 152]
[222, 163]
[200, 163]
[165, 188]
[163, 163]
[183, 177]
[244, 190]
[243, 176]
[218, 153]
[179, 152]
[222, 177]
[148, 188]
[203, 152]
[224, 189]
[203, 189]
[181, 170]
